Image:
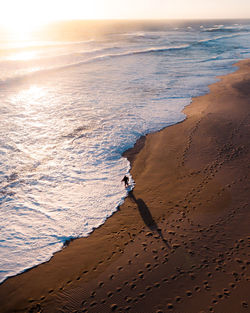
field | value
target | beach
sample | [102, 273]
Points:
[180, 241]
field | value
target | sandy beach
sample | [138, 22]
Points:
[180, 241]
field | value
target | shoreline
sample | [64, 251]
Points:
[130, 155]
[142, 215]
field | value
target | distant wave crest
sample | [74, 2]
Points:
[77, 53]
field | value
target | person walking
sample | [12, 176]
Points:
[125, 180]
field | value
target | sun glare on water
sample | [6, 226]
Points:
[23, 17]
[22, 27]
[24, 56]
[21, 31]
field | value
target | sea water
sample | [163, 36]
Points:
[70, 108]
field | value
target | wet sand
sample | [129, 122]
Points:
[181, 241]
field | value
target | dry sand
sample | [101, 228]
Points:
[180, 242]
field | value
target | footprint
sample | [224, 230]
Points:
[189, 293]
[110, 294]
[141, 295]
[220, 296]
[93, 294]
[157, 285]
[113, 307]
[170, 306]
[178, 299]
[94, 303]
[244, 304]
[232, 285]
[128, 299]
[226, 292]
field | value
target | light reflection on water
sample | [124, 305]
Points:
[52, 187]
[23, 56]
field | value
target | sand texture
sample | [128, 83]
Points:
[180, 242]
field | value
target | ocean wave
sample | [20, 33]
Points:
[142, 36]
[44, 63]
[225, 29]
[12, 47]
[202, 41]
[107, 53]
[103, 56]
[39, 71]
[12, 60]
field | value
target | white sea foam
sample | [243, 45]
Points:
[70, 109]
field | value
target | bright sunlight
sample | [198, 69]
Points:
[21, 17]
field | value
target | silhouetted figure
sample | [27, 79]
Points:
[147, 216]
[125, 180]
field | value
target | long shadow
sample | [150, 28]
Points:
[147, 216]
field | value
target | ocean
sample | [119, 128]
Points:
[73, 100]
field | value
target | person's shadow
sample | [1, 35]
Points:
[146, 216]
